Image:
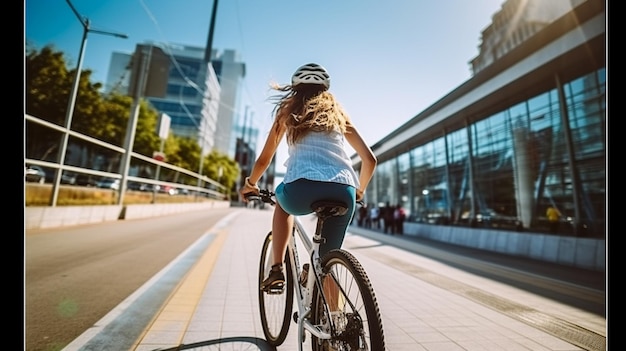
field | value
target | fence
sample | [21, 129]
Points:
[93, 163]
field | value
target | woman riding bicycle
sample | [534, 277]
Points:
[318, 168]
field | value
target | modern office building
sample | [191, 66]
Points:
[515, 22]
[177, 82]
[525, 133]
[118, 76]
[201, 99]
[230, 72]
[246, 140]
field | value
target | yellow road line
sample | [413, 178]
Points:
[170, 324]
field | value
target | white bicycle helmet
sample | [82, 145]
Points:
[311, 73]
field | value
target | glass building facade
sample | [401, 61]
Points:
[497, 154]
[192, 94]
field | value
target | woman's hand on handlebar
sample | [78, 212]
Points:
[245, 196]
[263, 195]
[248, 189]
[359, 195]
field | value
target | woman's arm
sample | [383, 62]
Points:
[269, 149]
[368, 159]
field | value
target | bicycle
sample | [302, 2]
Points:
[341, 315]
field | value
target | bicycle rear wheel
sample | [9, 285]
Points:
[351, 306]
[275, 308]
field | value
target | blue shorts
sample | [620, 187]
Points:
[297, 197]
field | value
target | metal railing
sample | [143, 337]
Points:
[100, 160]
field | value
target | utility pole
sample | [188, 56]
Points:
[209, 43]
[131, 128]
[70, 106]
[207, 61]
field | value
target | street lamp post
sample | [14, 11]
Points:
[70, 106]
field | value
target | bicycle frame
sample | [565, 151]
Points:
[304, 293]
[327, 310]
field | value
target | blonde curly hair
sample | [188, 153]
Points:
[305, 108]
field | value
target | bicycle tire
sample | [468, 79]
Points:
[275, 309]
[359, 325]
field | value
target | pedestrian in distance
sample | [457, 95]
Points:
[316, 128]
[368, 217]
[387, 214]
[399, 216]
[374, 216]
[362, 216]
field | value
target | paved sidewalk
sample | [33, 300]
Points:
[425, 305]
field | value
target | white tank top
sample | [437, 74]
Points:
[320, 156]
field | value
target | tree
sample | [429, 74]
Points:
[147, 140]
[48, 84]
[48, 87]
[215, 161]
[110, 124]
[187, 155]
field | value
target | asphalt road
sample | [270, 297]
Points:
[76, 275]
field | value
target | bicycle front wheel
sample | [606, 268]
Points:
[349, 310]
[275, 307]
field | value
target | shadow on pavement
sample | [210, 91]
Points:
[238, 343]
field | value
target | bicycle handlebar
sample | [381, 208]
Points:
[266, 196]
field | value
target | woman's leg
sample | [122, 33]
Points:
[282, 224]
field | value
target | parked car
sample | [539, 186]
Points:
[34, 174]
[109, 183]
[167, 189]
[68, 178]
[141, 186]
[86, 180]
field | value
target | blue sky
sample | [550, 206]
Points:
[388, 60]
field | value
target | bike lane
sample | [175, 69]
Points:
[425, 305]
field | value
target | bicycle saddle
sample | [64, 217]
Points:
[327, 208]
